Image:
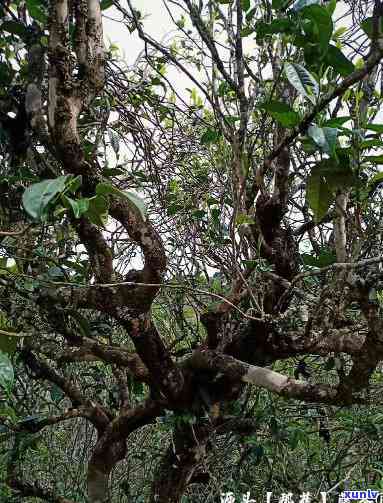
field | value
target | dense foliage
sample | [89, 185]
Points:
[190, 250]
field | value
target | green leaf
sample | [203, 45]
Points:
[325, 179]
[105, 4]
[338, 61]
[283, 25]
[326, 257]
[36, 10]
[6, 74]
[225, 1]
[376, 179]
[198, 214]
[112, 172]
[282, 113]
[324, 137]
[231, 119]
[74, 184]
[251, 14]
[318, 194]
[245, 4]
[377, 128]
[15, 28]
[302, 80]
[337, 121]
[135, 202]
[337, 174]
[322, 22]
[367, 26]
[330, 364]
[368, 144]
[301, 4]
[339, 32]
[37, 197]
[209, 136]
[376, 159]
[247, 30]
[98, 210]
[6, 372]
[78, 206]
[278, 4]
[331, 6]
[8, 344]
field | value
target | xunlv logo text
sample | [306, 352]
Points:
[360, 495]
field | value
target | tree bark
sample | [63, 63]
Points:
[180, 462]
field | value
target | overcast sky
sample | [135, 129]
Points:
[157, 23]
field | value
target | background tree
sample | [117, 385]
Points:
[190, 282]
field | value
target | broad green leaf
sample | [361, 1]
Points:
[377, 128]
[325, 179]
[367, 26]
[330, 364]
[337, 173]
[231, 119]
[324, 137]
[134, 201]
[74, 184]
[330, 6]
[250, 14]
[8, 344]
[6, 74]
[198, 214]
[98, 210]
[318, 194]
[247, 30]
[112, 172]
[250, 263]
[302, 80]
[278, 4]
[78, 206]
[223, 89]
[37, 197]
[210, 136]
[245, 4]
[105, 4]
[337, 121]
[282, 113]
[338, 61]
[308, 145]
[339, 32]
[322, 22]
[325, 257]
[36, 10]
[368, 144]
[6, 372]
[378, 178]
[283, 25]
[15, 28]
[301, 4]
[376, 159]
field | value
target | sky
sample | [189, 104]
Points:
[157, 23]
